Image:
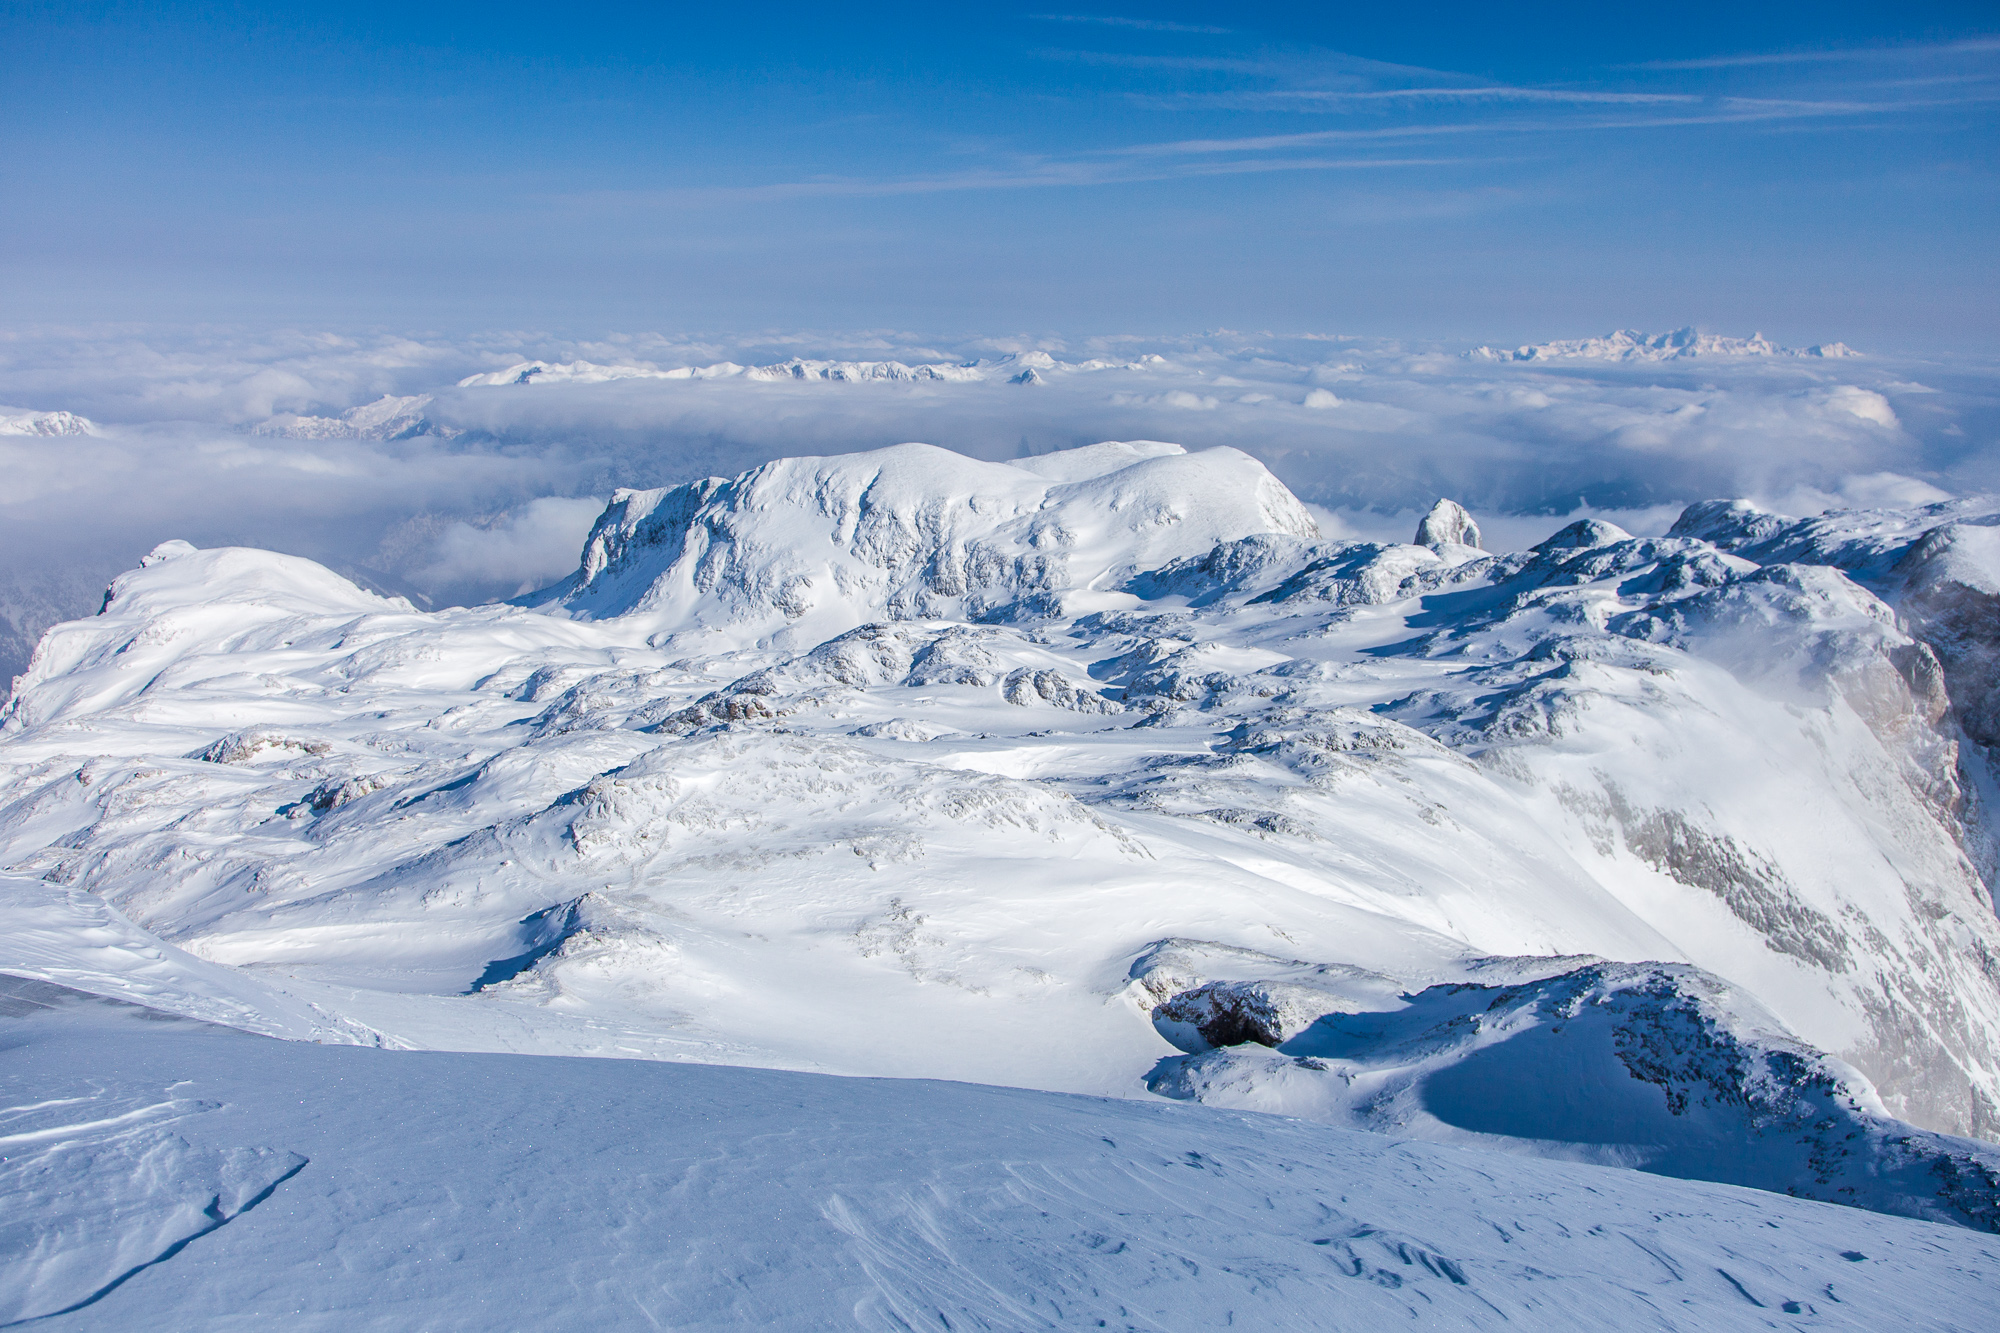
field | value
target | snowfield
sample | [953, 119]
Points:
[1098, 773]
[167, 1173]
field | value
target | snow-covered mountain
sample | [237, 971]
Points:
[24, 421]
[804, 549]
[391, 417]
[1016, 368]
[1035, 367]
[1092, 772]
[1678, 345]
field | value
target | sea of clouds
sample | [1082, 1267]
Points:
[224, 436]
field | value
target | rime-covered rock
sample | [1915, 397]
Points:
[1447, 524]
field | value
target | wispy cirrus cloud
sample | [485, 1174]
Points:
[1780, 107]
[1729, 111]
[1141, 25]
[1420, 104]
[1381, 112]
[1125, 60]
[1266, 153]
[1044, 175]
[1970, 46]
[1314, 98]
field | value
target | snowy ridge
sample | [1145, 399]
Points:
[1632, 345]
[1018, 368]
[902, 763]
[1035, 367]
[387, 418]
[576, 372]
[23, 421]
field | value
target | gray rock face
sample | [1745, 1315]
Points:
[1448, 524]
[1957, 611]
[1229, 1013]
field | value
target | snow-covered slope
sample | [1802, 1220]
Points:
[1939, 564]
[903, 763]
[166, 1173]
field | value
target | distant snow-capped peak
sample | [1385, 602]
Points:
[389, 417]
[25, 421]
[1018, 367]
[1632, 345]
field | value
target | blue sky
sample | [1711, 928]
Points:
[1487, 172]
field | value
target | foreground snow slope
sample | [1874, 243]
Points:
[904, 764]
[166, 1173]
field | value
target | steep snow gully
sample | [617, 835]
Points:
[1099, 772]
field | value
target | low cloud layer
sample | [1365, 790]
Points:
[490, 488]
[530, 547]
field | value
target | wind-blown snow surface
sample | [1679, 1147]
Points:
[1093, 772]
[167, 1173]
